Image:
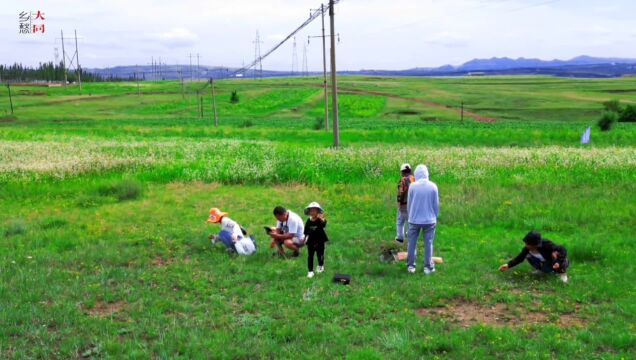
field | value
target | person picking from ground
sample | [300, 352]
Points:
[289, 231]
[232, 235]
[402, 195]
[315, 237]
[543, 255]
[423, 209]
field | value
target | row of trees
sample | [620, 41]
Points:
[47, 72]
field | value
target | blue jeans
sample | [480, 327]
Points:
[226, 239]
[429, 236]
[402, 221]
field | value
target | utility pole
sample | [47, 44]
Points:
[182, 87]
[216, 120]
[324, 66]
[137, 78]
[198, 71]
[462, 111]
[10, 99]
[334, 85]
[77, 64]
[191, 77]
[64, 59]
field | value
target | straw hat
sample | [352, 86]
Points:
[313, 205]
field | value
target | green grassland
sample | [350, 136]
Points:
[104, 197]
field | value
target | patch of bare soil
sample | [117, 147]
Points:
[102, 309]
[467, 313]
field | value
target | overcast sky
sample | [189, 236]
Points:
[374, 34]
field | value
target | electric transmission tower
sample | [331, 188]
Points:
[305, 66]
[257, 56]
[294, 58]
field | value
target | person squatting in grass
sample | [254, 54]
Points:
[315, 237]
[543, 255]
[423, 209]
[402, 195]
[289, 231]
[232, 235]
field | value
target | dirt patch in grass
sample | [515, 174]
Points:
[467, 313]
[158, 261]
[103, 309]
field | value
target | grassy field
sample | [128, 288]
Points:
[104, 197]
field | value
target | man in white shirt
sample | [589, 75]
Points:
[231, 234]
[289, 231]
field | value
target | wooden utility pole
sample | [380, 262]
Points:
[216, 120]
[10, 99]
[64, 59]
[182, 86]
[79, 69]
[324, 68]
[334, 85]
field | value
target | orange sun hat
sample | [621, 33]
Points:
[216, 215]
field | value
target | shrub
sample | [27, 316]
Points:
[607, 121]
[319, 123]
[123, 190]
[612, 106]
[234, 98]
[17, 227]
[246, 123]
[628, 114]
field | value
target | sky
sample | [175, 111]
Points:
[374, 34]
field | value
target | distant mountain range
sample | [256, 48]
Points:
[581, 66]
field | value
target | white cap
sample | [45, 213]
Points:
[405, 166]
[313, 205]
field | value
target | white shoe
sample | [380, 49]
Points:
[563, 277]
[428, 271]
[320, 269]
[411, 270]
[310, 274]
[214, 240]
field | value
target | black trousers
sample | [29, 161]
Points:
[318, 249]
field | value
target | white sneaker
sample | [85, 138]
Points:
[428, 271]
[411, 270]
[320, 269]
[310, 274]
[214, 240]
[563, 277]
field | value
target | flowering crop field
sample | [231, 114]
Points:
[104, 196]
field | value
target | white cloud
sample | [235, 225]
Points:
[177, 37]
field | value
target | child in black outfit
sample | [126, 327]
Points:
[315, 237]
[543, 255]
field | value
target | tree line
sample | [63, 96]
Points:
[50, 72]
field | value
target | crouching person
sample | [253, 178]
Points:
[232, 235]
[289, 231]
[543, 255]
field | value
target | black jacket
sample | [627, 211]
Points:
[315, 231]
[546, 249]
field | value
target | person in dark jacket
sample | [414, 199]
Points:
[543, 255]
[315, 237]
[402, 194]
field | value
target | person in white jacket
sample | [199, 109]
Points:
[423, 209]
[231, 234]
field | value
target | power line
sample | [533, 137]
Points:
[314, 15]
